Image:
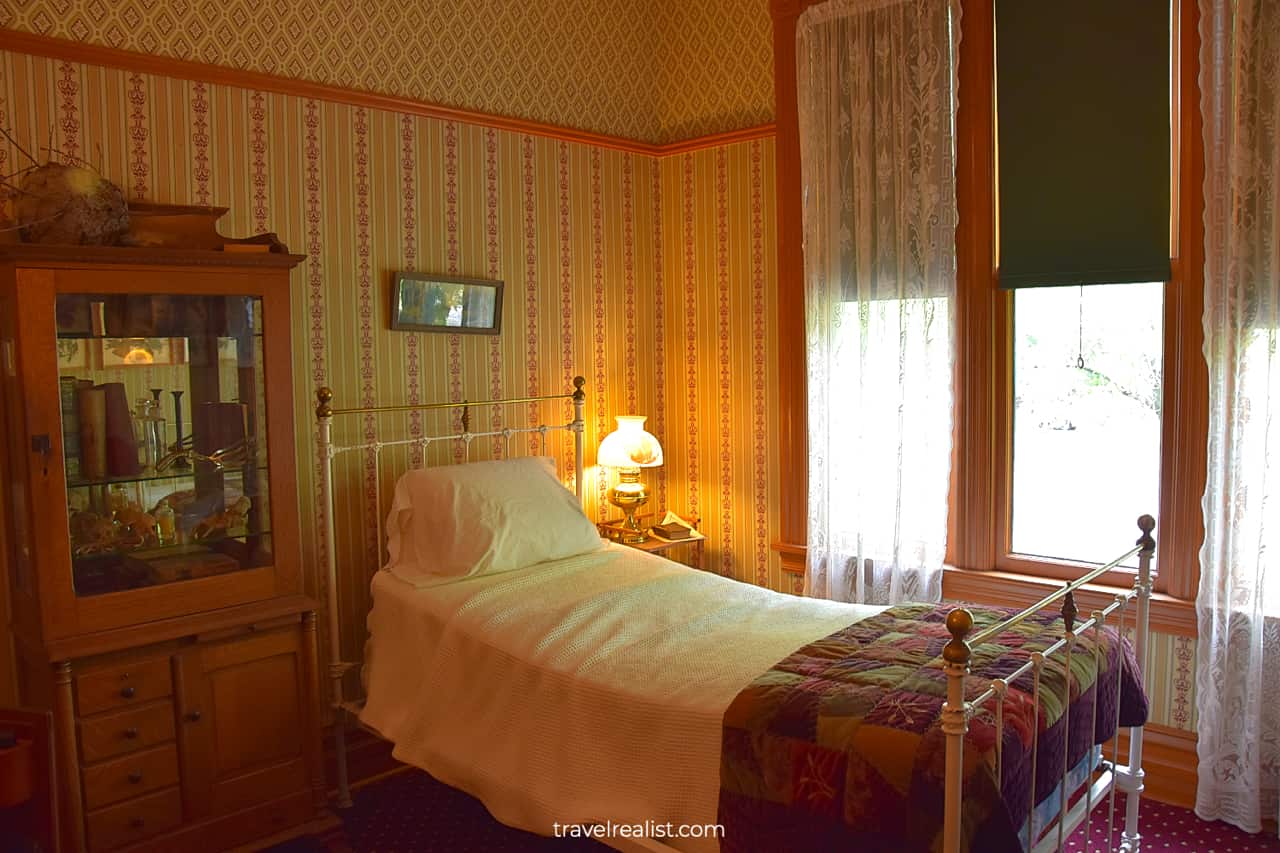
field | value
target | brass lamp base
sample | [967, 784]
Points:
[629, 495]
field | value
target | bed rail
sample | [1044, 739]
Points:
[957, 711]
[325, 413]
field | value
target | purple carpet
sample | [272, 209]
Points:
[412, 812]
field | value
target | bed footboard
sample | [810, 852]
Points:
[1098, 786]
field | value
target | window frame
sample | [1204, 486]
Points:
[1184, 425]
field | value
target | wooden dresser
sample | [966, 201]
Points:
[152, 529]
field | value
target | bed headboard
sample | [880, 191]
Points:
[374, 444]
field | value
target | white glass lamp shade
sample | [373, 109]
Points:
[629, 446]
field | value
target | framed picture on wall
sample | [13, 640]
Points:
[421, 302]
[140, 352]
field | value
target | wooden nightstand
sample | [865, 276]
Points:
[687, 551]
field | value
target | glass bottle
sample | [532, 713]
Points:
[165, 527]
[117, 501]
[158, 435]
[142, 416]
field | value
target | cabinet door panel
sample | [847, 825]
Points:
[241, 707]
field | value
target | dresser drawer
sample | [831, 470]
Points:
[107, 735]
[123, 685]
[130, 776]
[134, 820]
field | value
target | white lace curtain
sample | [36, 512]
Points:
[1238, 676]
[876, 97]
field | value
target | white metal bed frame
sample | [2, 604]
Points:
[1099, 786]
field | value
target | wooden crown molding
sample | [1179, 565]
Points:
[186, 69]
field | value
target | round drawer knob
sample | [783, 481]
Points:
[131, 733]
[137, 823]
[193, 716]
[135, 777]
[127, 692]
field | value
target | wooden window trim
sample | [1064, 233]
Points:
[792, 435]
[1169, 615]
[978, 523]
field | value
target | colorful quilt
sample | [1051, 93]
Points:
[839, 746]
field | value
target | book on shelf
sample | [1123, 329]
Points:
[121, 442]
[92, 406]
[70, 402]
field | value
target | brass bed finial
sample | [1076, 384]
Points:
[578, 394]
[1146, 524]
[325, 396]
[1069, 611]
[959, 623]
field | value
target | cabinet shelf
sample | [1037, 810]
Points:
[172, 474]
[120, 571]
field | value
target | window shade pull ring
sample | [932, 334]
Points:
[1080, 330]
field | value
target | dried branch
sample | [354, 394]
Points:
[20, 226]
[9, 136]
[71, 160]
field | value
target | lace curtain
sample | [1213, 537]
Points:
[876, 93]
[1238, 680]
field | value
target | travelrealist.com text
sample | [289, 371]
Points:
[647, 829]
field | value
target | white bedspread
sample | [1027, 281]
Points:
[579, 691]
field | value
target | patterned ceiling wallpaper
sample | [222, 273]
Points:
[649, 70]
[714, 66]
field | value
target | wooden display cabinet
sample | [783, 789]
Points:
[152, 530]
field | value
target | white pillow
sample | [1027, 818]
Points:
[482, 518]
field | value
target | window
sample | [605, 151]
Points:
[1054, 462]
[1087, 371]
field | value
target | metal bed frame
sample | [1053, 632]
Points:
[1099, 786]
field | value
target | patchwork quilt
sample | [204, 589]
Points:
[839, 746]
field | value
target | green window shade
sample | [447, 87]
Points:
[1083, 106]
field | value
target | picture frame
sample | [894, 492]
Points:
[422, 302]
[139, 352]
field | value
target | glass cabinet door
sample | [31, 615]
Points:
[164, 426]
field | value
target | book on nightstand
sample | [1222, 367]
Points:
[671, 531]
[673, 528]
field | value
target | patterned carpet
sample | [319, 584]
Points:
[412, 812]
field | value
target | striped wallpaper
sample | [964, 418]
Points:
[655, 279]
